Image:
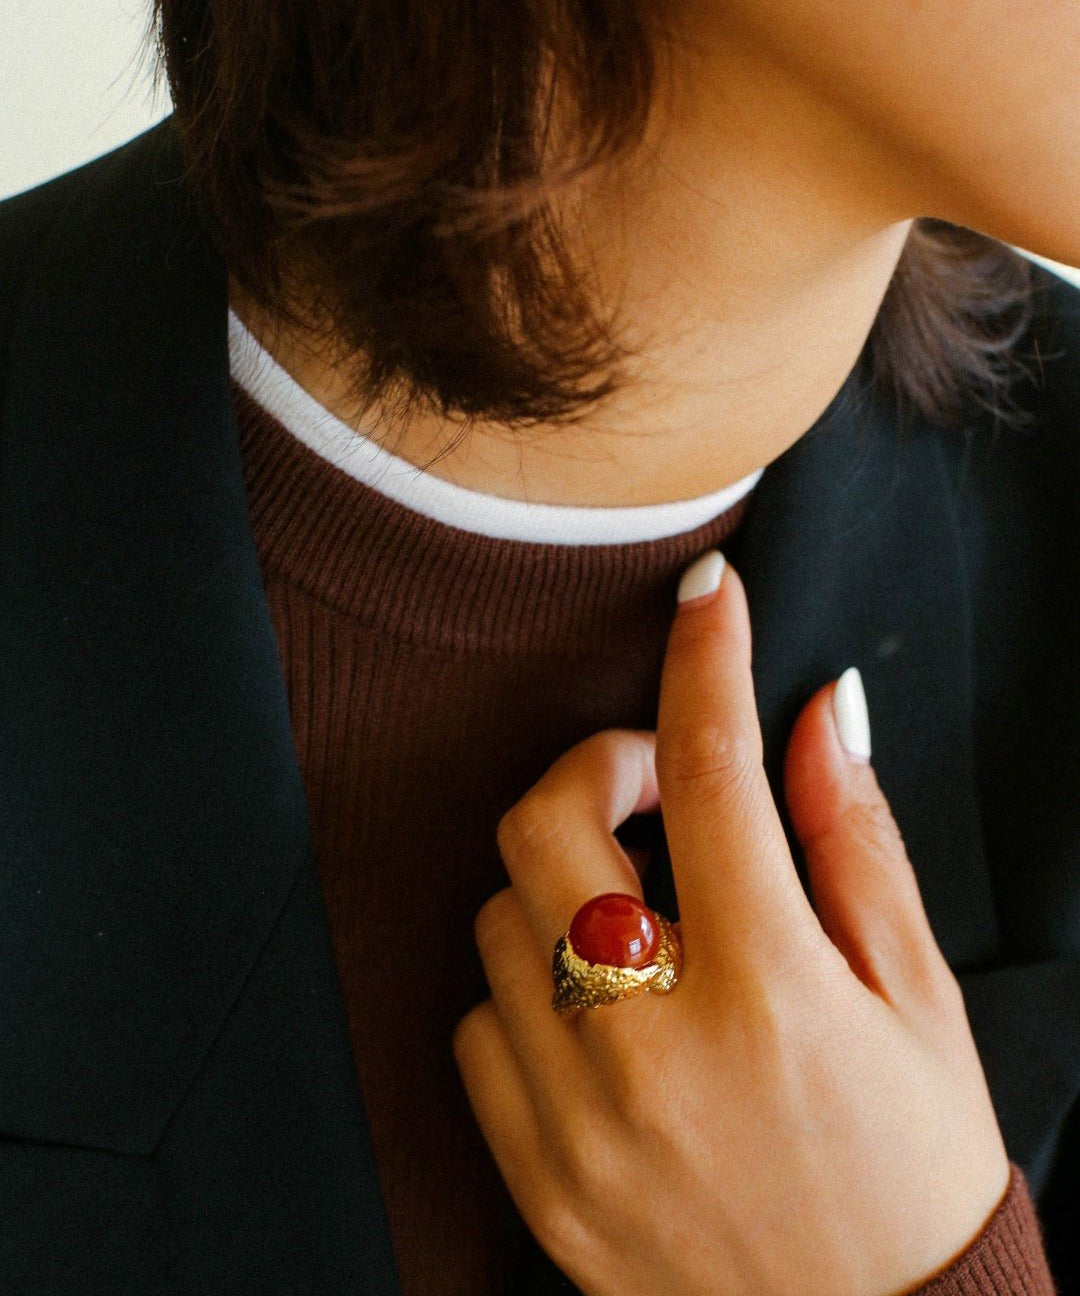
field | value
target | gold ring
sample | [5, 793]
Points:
[615, 948]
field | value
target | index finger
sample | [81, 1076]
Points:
[558, 841]
[739, 894]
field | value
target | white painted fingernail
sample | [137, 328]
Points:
[850, 712]
[703, 576]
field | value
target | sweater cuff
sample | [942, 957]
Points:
[1006, 1257]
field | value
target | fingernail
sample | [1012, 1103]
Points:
[703, 576]
[851, 715]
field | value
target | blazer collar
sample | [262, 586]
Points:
[155, 816]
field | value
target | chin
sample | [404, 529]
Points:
[1048, 239]
[1035, 207]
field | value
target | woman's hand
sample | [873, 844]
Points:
[806, 1110]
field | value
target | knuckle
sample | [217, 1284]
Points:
[764, 1015]
[531, 824]
[935, 983]
[469, 1030]
[711, 757]
[583, 1161]
[604, 745]
[636, 1103]
[634, 1028]
[560, 1230]
[491, 920]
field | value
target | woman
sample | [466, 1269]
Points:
[452, 437]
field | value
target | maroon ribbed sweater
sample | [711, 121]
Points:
[433, 675]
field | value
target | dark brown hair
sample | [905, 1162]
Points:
[386, 168]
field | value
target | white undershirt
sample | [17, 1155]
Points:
[272, 387]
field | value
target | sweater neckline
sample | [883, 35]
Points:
[410, 578]
[363, 459]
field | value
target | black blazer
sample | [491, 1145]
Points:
[179, 1111]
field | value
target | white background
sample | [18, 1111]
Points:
[75, 81]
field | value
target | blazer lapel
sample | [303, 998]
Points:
[154, 819]
[851, 556]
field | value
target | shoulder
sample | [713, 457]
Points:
[1016, 493]
[107, 179]
[1052, 354]
[1013, 461]
[71, 210]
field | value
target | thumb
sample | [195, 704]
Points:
[865, 892]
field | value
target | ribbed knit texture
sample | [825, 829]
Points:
[433, 675]
[1006, 1256]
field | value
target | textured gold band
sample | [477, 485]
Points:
[579, 984]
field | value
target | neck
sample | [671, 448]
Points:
[750, 242]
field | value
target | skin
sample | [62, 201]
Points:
[808, 1100]
[752, 237]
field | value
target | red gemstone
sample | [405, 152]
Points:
[615, 929]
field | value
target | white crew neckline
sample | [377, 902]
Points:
[275, 389]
